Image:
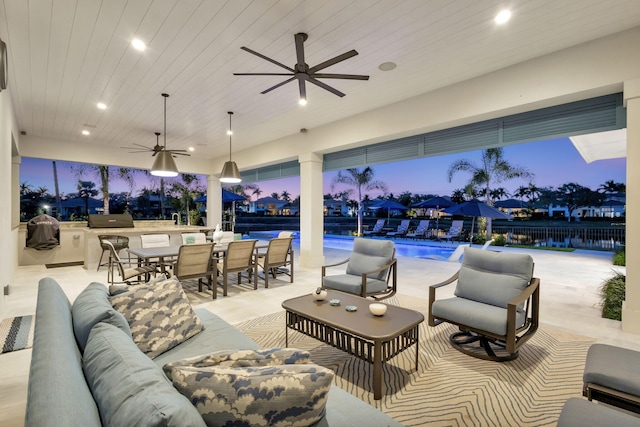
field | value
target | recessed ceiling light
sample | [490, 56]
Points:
[387, 66]
[101, 105]
[191, 149]
[229, 132]
[302, 101]
[138, 44]
[86, 132]
[502, 17]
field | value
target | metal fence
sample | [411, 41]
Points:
[598, 238]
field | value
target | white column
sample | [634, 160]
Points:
[214, 201]
[311, 216]
[631, 306]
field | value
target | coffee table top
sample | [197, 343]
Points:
[360, 322]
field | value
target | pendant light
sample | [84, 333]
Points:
[164, 165]
[230, 172]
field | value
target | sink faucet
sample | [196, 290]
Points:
[176, 217]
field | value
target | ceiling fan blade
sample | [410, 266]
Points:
[140, 146]
[326, 87]
[262, 74]
[333, 61]
[278, 85]
[340, 76]
[300, 38]
[266, 58]
[179, 154]
[303, 89]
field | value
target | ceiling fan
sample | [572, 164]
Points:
[139, 148]
[303, 73]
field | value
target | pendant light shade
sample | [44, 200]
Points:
[164, 165]
[230, 172]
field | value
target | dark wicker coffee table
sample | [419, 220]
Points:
[374, 339]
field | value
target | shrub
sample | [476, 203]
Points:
[612, 294]
[499, 240]
[619, 258]
[479, 239]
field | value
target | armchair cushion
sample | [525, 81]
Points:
[493, 277]
[370, 255]
[352, 284]
[482, 316]
[613, 367]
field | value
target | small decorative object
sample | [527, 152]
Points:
[217, 234]
[334, 302]
[351, 308]
[320, 294]
[377, 309]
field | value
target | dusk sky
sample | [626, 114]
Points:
[554, 162]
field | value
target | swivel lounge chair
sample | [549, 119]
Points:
[496, 304]
[370, 268]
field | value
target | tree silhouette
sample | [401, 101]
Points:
[86, 189]
[493, 170]
[361, 180]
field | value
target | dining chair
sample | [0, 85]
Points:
[127, 274]
[118, 242]
[238, 259]
[155, 240]
[191, 238]
[278, 256]
[195, 261]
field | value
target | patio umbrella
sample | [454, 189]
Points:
[227, 196]
[475, 208]
[435, 203]
[391, 205]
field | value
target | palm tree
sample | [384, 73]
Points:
[362, 180]
[612, 187]
[86, 189]
[493, 170]
[285, 195]
[257, 191]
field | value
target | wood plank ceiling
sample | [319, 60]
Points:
[67, 55]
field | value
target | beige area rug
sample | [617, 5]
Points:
[450, 388]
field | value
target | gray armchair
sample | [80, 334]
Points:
[371, 270]
[496, 304]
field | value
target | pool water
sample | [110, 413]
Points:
[402, 249]
[346, 243]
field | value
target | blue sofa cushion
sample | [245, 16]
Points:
[159, 315]
[282, 395]
[56, 365]
[93, 306]
[353, 284]
[128, 387]
[493, 277]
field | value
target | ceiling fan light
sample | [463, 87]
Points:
[164, 165]
[230, 173]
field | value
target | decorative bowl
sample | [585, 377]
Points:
[320, 296]
[334, 302]
[377, 309]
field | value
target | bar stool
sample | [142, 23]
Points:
[119, 243]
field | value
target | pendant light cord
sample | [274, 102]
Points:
[165, 120]
[230, 133]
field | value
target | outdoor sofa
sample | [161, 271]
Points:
[59, 394]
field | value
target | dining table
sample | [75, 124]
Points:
[166, 255]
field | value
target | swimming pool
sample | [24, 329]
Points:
[408, 249]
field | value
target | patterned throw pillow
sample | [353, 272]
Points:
[159, 315]
[243, 358]
[282, 395]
